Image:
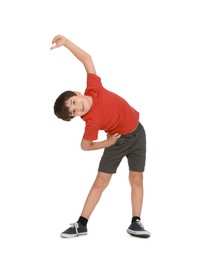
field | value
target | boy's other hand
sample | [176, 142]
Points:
[113, 138]
[59, 41]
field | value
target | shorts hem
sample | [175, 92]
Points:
[137, 170]
[108, 172]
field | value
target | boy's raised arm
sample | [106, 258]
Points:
[80, 54]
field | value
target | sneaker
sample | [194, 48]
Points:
[137, 229]
[75, 230]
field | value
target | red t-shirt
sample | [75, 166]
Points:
[109, 112]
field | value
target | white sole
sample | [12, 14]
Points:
[63, 235]
[139, 233]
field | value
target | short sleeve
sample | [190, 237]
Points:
[90, 133]
[93, 83]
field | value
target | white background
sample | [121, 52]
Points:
[149, 52]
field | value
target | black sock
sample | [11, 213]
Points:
[82, 220]
[135, 218]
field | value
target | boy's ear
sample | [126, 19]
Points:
[78, 93]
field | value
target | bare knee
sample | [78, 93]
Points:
[136, 178]
[102, 180]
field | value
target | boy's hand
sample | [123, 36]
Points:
[81, 55]
[59, 41]
[113, 138]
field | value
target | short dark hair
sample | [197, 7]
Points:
[60, 109]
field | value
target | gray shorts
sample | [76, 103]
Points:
[132, 145]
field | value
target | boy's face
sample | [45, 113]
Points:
[78, 105]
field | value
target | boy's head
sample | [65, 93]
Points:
[70, 104]
[61, 110]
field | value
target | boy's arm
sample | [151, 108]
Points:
[81, 55]
[88, 145]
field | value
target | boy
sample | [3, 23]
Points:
[104, 110]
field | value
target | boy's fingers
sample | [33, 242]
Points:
[53, 47]
[56, 38]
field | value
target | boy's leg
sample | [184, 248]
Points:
[101, 182]
[136, 183]
[79, 228]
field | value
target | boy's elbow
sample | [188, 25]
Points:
[86, 145]
[88, 64]
[86, 58]
[84, 148]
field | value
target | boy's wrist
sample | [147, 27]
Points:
[109, 142]
[66, 41]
